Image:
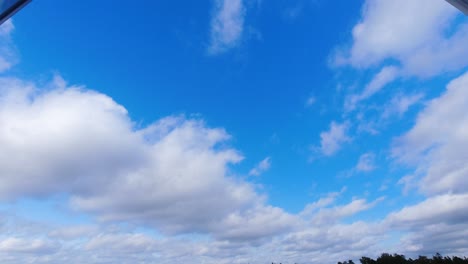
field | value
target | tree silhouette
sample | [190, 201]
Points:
[386, 258]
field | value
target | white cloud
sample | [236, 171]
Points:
[380, 35]
[122, 243]
[452, 239]
[323, 202]
[332, 139]
[375, 118]
[319, 244]
[261, 167]
[6, 28]
[337, 213]
[73, 232]
[438, 143]
[400, 104]
[227, 25]
[436, 147]
[366, 162]
[437, 224]
[446, 208]
[72, 140]
[14, 245]
[325, 212]
[384, 77]
[418, 38]
[300, 243]
[256, 224]
[323, 237]
[440, 56]
[81, 143]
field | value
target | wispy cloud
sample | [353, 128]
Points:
[261, 167]
[381, 79]
[8, 56]
[366, 162]
[310, 101]
[400, 104]
[227, 25]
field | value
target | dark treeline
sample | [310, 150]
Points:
[386, 258]
[401, 259]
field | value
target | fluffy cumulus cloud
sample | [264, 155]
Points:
[62, 140]
[77, 142]
[227, 25]
[411, 32]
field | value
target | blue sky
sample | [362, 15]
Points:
[233, 131]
